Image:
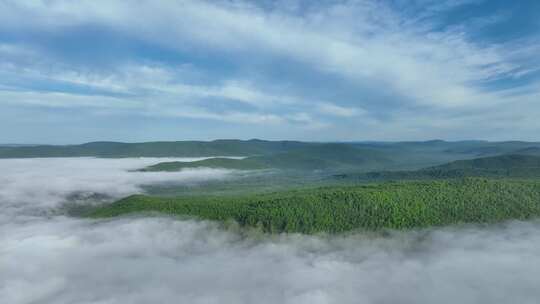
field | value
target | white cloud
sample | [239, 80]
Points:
[155, 90]
[232, 90]
[332, 109]
[364, 43]
[436, 69]
[137, 260]
[369, 42]
[230, 116]
[64, 100]
[48, 181]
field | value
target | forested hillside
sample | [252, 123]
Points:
[337, 209]
[503, 166]
[155, 149]
[314, 157]
[509, 161]
[359, 157]
[218, 162]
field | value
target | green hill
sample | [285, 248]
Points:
[218, 162]
[502, 166]
[529, 151]
[484, 149]
[336, 209]
[344, 157]
[504, 162]
[327, 157]
[263, 154]
[312, 157]
[155, 149]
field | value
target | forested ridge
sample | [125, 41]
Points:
[397, 205]
[501, 166]
[218, 162]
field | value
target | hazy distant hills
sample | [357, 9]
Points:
[529, 151]
[501, 162]
[346, 157]
[218, 162]
[155, 149]
[508, 165]
[311, 157]
[17, 145]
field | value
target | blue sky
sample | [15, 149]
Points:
[77, 71]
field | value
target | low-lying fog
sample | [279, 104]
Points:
[46, 258]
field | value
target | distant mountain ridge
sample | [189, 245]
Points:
[353, 156]
[508, 165]
[154, 149]
[507, 161]
[315, 157]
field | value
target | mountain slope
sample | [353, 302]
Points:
[155, 149]
[345, 157]
[494, 162]
[337, 209]
[313, 157]
[218, 162]
[511, 165]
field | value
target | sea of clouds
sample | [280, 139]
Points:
[47, 258]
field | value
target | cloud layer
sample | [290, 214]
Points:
[56, 259]
[287, 69]
[47, 182]
[135, 260]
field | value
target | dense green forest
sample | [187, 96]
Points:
[398, 205]
[257, 181]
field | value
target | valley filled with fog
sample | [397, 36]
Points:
[269, 152]
[49, 257]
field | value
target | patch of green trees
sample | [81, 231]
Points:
[399, 205]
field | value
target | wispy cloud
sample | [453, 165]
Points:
[248, 62]
[332, 109]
